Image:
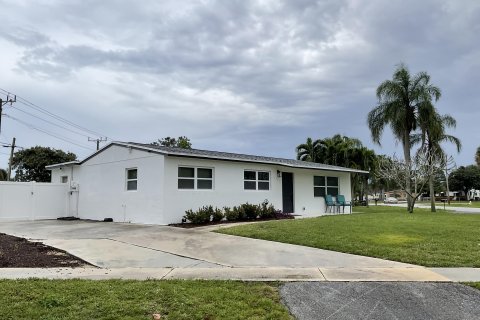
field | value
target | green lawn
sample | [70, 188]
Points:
[117, 299]
[476, 285]
[439, 239]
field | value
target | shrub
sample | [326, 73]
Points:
[230, 215]
[267, 211]
[202, 215]
[217, 215]
[251, 211]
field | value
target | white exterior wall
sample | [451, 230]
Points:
[32, 201]
[228, 187]
[303, 190]
[102, 189]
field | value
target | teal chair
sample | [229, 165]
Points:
[329, 204]
[341, 202]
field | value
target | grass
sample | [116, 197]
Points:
[119, 299]
[439, 239]
[476, 285]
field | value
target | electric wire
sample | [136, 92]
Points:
[48, 113]
[29, 125]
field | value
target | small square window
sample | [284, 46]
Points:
[318, 181]
[186, 184]
[64, 179]
[263, 185]
[204, 173]
[204, 184]
[265, 176]
[185, 172]
[249, 185]
[250, 175]
[332, 181]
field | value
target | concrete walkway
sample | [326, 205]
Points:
[472, 210]
[142, 252]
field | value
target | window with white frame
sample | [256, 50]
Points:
[323, 186]
[256, 180]
[131, 179]
[195, 178]
[64, 179]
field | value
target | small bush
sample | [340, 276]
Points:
[251, 211]
[279, 215]
[240, 212]
[230, 215]
[202, 215]
[267, 211]
[217, 215]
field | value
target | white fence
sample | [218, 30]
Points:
[33, 201]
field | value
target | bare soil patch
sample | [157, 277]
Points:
[18, 252]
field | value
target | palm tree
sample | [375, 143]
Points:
[308, 151]
[399, 102]
[432, 126]
[337, 150]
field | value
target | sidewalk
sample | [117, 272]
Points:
[252, 274]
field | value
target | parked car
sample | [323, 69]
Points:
[390, 200]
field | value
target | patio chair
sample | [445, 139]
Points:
[329, 204]
[341, 202]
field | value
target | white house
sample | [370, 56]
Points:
[142, 183]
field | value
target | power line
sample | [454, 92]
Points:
[50, 122]
[29, 125]
[46, 112]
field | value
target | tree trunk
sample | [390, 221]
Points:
[408, 160]
[432, 194]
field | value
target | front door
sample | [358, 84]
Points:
[287, 192]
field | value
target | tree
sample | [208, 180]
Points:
[477, 157]
[180, 142]
[30, 163]
[433, 126]
[3, 175]
[308, 151]
[400, 100]
[417, 171]
[465, 178]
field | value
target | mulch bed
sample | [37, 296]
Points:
[20, 253]
[189, 225]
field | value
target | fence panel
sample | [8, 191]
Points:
[32, 201]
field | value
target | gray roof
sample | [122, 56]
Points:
[217, 155]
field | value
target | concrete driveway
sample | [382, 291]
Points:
[116, 245]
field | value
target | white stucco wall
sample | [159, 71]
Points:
[102, 186]
[228, 187]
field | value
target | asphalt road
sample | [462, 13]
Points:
[381, 300]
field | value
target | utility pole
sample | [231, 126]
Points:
[11, 159]
[2, 103]
[98, 141]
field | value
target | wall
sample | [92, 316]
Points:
[228, 187]
[102, 186]
[32, 201]
[303, 190]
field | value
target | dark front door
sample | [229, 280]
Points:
[287, 192]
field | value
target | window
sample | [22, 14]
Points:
[195, 178]
[256, 180]
[323, 186]
[132, 179]
[64, 179]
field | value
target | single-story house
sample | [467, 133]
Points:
[143, 183]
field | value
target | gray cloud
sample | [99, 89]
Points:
[248, 76]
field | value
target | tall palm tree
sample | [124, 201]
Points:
[433, 127]
[308, 151]
[337, 150]
[399, 102]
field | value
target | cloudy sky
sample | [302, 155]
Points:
[242, 76]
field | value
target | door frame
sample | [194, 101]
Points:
[284, 194]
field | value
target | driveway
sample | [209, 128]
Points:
[381, 300]
[116, 245]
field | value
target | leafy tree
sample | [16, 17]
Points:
[477, 157]
[400, 100]
[465, 178]
[3, 175]
[30, 163]
[180, 142]
[433, 126]
[308, 151]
